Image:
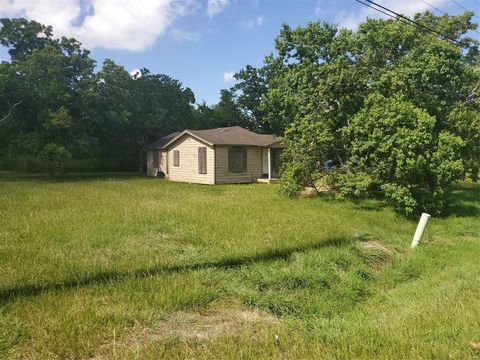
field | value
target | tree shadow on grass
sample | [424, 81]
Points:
[10, 294]
[464, 202]
[462, 210]
[469, 192]
[369, 205]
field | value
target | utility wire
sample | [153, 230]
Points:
[442, 12]
[417, 23]
[463, 7]
[410, 21]
[384, 10]
[434, 7]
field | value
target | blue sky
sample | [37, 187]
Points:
[199, 42]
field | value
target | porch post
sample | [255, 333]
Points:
[269, 165]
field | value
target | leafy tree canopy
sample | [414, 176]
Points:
[394, 106]
[56, 111]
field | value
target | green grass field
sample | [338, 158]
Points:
[128, 267]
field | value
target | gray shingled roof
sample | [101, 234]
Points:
[160, 143]
[232, 135]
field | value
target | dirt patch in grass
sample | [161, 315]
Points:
[475, 345]
[371, 244]
[207, 326]
[311, 191]
[186, 326]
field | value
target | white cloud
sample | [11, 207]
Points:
[215, 7]
[249, 24]
[111, 24]
[182, 35]
[228, 77]
[351, 19]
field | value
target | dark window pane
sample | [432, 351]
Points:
[237, 159]
[202, 160]
[176, 157]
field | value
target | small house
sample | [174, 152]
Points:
[215, 156]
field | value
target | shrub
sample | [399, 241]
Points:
[54, 157]
[307, 140]
[407, 158]
[293, 178]
[349, 184]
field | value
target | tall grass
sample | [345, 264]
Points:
[96, 266]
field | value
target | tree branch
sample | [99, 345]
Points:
[10, 111]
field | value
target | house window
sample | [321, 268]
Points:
[202, 160]
[176, 157]
[237, 159]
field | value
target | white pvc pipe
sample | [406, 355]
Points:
[422, 224]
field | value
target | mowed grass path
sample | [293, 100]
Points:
[129, 267]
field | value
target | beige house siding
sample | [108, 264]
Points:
[254, 166]
[188, 169]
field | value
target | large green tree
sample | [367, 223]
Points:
[249, 91]
[161, 105]
[226, 112]
[395, 144]
[43, 78]
[370, 92]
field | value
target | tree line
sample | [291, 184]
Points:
[58, 114]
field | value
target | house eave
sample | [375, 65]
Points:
[186, 132]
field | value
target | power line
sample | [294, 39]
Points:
[383, 10]
[416, 23]
[442, 12]
[463, 7]
[434, 7]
